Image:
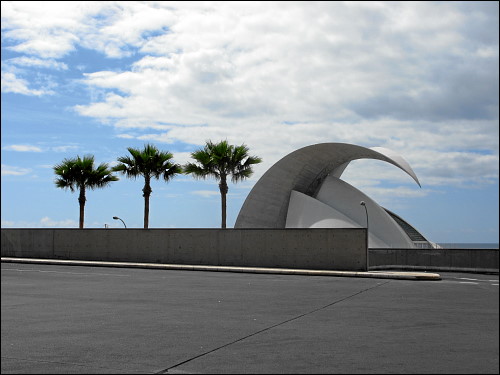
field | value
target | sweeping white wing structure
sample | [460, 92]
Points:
[304, 190]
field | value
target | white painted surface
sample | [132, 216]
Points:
[337, 206]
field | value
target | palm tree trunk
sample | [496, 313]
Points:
[146, 211]
[81, 200]
[146, 193]
[223, 192]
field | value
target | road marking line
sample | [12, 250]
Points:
[72, 273]
[467, 282]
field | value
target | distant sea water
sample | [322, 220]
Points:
[491, 245]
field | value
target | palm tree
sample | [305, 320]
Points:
[221, 160]
[149, 163]
[77, 173]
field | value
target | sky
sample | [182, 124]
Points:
[419, 78]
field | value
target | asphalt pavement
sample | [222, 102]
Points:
[85, 319]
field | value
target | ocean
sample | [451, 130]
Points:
[469, 245]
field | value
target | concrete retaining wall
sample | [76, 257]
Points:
[473, 260]
[327, 249]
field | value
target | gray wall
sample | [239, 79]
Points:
[334, 249]
[473, 260]
[328, 249]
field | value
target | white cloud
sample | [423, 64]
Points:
[46, 29]
[32, 148]
[34, 62]
[64, 148]
[45, 222]
[8, 170]
[206, 193]
[125, 136]
[48, 222]
[22, 148]
[53, 29]
[432, 167]
[13, 84]
[7, 223]
[385, 195]
[181, 157]
[418, 77]
[243, 62]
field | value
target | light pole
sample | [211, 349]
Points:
[367, 233]
[117, 218]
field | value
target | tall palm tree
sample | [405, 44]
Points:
[221, 160]
[78, 173]
[149, 163]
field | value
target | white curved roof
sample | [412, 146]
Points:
[304, 171]
[337, 205]
[307, 212]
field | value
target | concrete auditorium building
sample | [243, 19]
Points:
[304, 190]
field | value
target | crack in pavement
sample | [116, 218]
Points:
[165, 371]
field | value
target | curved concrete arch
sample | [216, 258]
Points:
[398, 159]
[304, 170]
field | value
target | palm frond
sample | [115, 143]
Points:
[149, 162]
[80, 172]
[221, 159]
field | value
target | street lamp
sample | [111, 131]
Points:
[117, 218]
[367, 233]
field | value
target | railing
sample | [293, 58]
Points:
[449, 245]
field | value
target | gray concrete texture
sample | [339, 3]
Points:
[61, 319]
[325, 249]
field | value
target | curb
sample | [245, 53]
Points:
[493, 271]
[185, 267]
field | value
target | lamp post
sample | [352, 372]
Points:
[117, 218]
[367, 233]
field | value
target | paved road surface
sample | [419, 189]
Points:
[68, 319]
